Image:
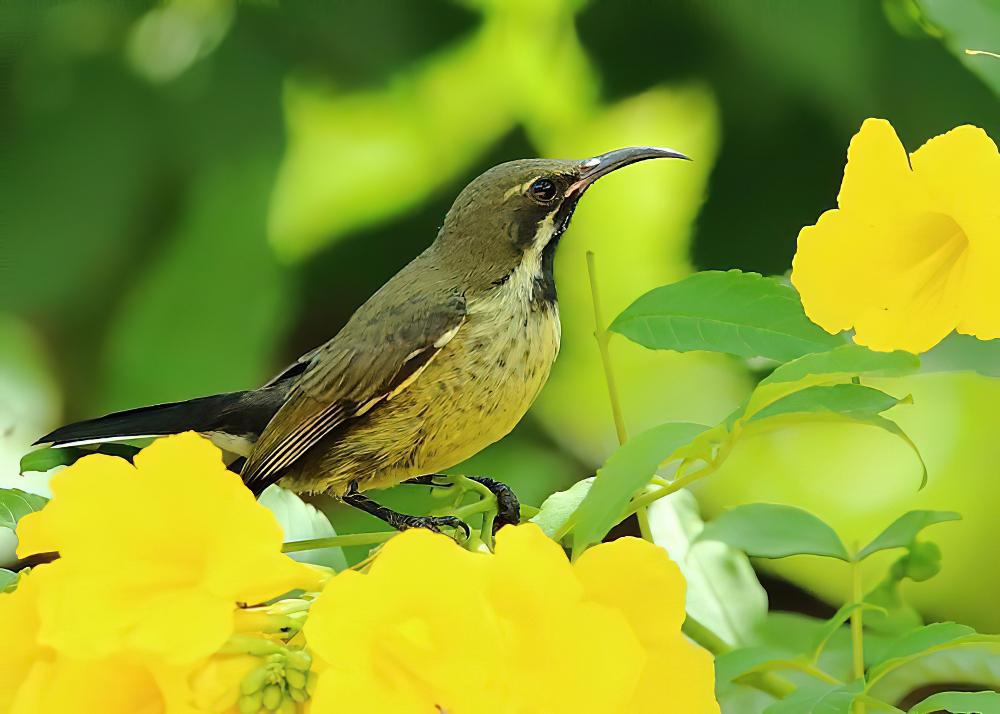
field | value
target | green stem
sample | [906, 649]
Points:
[602, 336]
[766, 682]
[643, 517]
[339, 541]
[798, 666]
[879, 704]
[857, 628]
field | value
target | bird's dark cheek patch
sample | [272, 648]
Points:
[524, 226]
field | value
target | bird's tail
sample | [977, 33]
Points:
[234, 416]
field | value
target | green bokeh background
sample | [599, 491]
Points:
[192, 193]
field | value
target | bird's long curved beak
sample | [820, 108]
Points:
[598, 166]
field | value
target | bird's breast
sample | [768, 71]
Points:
[482, 384]
[470, 395]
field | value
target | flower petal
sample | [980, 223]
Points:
[961, 171]
[877, 180]
[640, 579]
[835, 283]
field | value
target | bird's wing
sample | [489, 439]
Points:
[375, 356]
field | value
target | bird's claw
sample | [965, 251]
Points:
[435, 523]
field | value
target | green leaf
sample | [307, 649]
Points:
[969, 25]
[738, 313]
[7, 579]
[302, 521]
[723, 592]
[557, 508]
[963, 353]
[917, 642]
[845, 399]
[768, 530]
[627, 470]
[854, 402]
[50, 457]
[903, 531]
[734, 664]
[959, 703]
[15, 504]
[980, 665]
[819, 699]
[845, 361]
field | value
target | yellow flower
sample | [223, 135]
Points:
[913, 252]
[36, 679]
[155, 557]
[434, 628]
[639, 580]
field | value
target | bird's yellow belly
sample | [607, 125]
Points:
[492, 380]
[469, 396]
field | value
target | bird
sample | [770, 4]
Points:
[442, 361]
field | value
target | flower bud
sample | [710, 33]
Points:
[272, 697]
[250, 703]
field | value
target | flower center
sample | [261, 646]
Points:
[939, 247]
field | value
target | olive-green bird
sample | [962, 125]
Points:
[441, 362]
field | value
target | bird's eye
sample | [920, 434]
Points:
[543, 190]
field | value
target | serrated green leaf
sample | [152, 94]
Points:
[15, 504]
[846, 399]
[903, 531]
[627, 470]
[819, 699]
[845, 361]
[768, 530]
[743, 314]
[959, 703]
[557, 508]
[723, 592]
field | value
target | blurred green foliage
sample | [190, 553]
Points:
[195, 192]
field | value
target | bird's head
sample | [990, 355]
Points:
[511, 217]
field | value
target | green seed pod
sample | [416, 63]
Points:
[250, 703]
[254, 681]
[298, 659]
[295, 678]
[272, 697]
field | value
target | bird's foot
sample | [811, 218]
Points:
[508, 506]
[432, 523]
[402, 521]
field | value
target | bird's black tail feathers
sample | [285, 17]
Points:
[241, 415]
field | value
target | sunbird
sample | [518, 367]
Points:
[442, 361]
